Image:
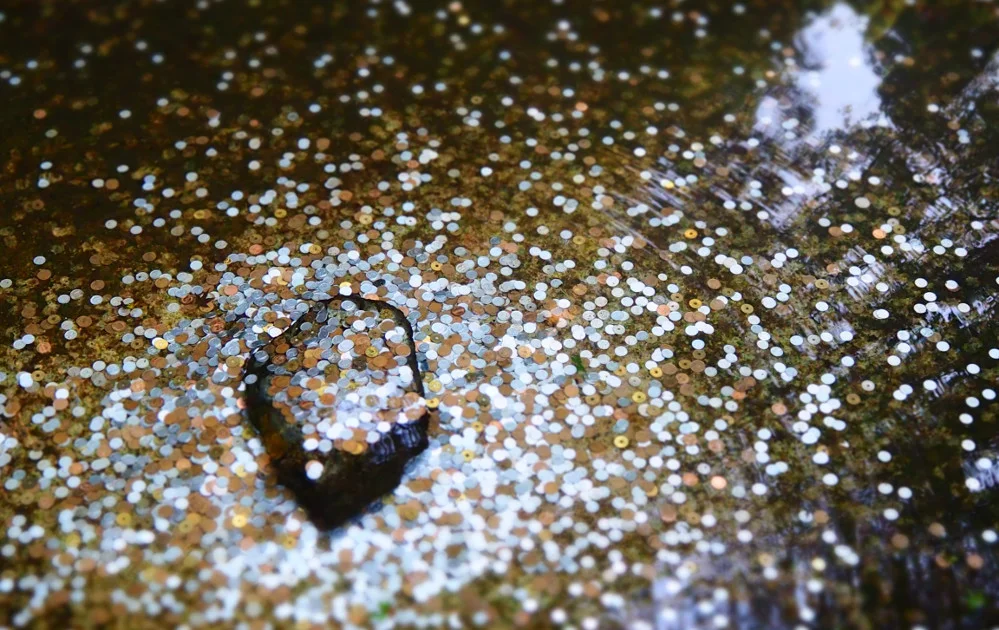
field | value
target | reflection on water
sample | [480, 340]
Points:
[834, 82]
[837, 72]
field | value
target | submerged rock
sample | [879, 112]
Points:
[333, 475]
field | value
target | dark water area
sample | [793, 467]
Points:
[499, 314]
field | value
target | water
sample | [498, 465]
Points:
[702, 302]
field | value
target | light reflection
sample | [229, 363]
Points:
[837, 79]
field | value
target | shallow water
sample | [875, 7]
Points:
[702, 300]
